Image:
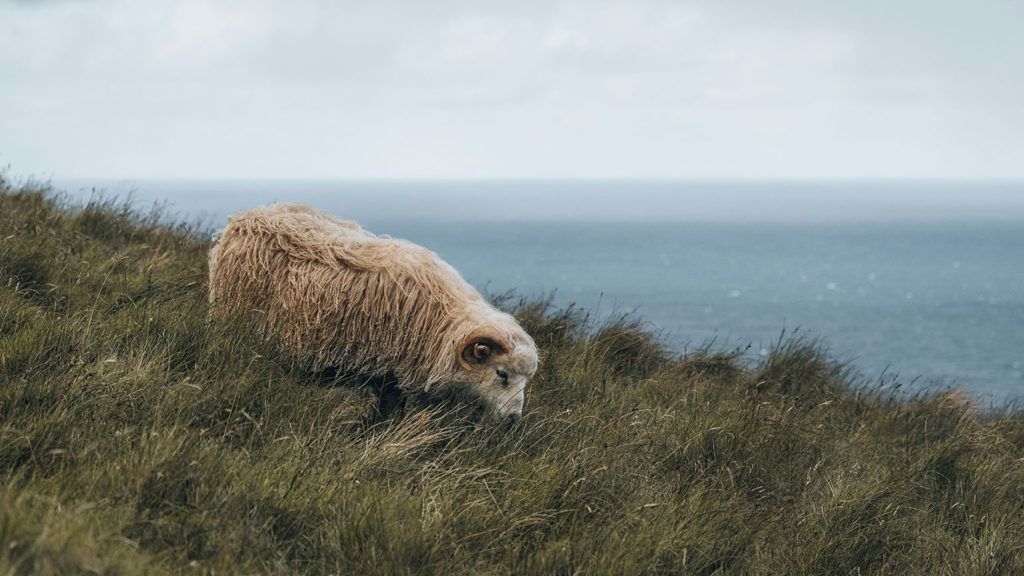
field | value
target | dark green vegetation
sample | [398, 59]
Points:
[135, 438]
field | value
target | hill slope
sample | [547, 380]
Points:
[135, 438]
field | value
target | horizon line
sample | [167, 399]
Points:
[447, 180]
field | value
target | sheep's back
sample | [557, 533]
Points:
[337, 294]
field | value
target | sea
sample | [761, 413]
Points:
[917, 286]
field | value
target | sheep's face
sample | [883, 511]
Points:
[496, 371]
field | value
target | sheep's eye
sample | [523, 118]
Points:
[502, 374]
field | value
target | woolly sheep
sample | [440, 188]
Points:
[342, 297]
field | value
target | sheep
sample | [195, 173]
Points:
[342, 297]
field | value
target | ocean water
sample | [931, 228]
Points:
[916, 284]
[927, 304]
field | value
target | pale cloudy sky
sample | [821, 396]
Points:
[738, 89]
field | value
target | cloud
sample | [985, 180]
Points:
[779, 88]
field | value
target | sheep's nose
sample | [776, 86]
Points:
[513, 417]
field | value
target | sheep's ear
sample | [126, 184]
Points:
[480, 346]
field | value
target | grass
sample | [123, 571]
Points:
[137, 439]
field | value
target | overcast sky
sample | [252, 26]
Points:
[740, 89]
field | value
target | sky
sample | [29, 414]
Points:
[532, 89]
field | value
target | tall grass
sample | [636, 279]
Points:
[137, 438]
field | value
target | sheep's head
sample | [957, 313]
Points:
[496, 370]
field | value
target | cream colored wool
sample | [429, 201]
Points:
[341, 296]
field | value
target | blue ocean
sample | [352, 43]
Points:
[916, 285]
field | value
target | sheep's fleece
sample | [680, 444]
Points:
[340, 296]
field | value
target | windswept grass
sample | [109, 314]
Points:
[136, 438]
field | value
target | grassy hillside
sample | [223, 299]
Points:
[135, 438]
